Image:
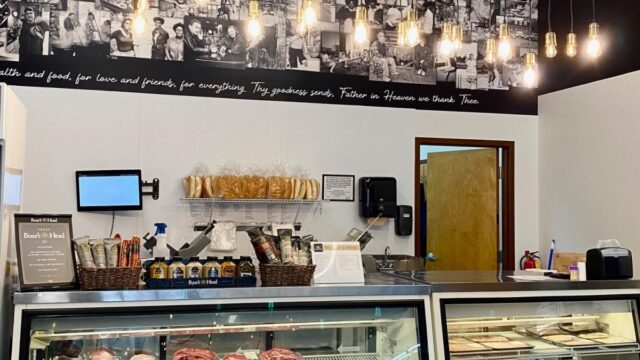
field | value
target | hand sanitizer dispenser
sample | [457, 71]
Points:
[378, 196]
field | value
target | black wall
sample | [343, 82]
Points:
[620, 28]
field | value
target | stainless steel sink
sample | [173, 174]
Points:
[380, 263]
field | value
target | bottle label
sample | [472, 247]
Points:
[228, 271]
[158, 273]
[178, 273]
[213, 273]
[194, 273]
[245, 274]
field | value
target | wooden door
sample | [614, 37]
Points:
[462, 210]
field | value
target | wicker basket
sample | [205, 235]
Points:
[286, 275]
[109, 278]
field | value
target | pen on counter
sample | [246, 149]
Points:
[551, 251]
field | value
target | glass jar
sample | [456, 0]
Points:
[246, 267]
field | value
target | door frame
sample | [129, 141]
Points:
[508, 191]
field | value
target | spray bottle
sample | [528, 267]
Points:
[161, 249]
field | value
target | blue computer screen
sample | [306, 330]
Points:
[109, 191]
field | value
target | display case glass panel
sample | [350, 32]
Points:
[373, 331]
[499, 329]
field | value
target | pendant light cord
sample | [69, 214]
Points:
[549, 15]
[593, 8]
[571, 7]
[530, 23]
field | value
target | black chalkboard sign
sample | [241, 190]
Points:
[45, 252]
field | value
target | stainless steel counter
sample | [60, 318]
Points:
[375, 285]
[476, 281]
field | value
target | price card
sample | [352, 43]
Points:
[337, 263]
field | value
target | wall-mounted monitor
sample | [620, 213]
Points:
[109, 190]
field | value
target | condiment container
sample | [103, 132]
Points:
[211, 269]
[228, 268]
[194, 268]
[246, 267]
[158, 269]
[177, 269]
[573, 273]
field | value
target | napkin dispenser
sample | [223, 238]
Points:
[609, 263]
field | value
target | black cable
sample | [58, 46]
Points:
[113, 221]
[549, 16]
[571, 7]
[530, 23]
[593, 8]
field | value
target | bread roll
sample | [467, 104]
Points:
[207, 187]
[198, 187]
[317, 186]
[187, 186]
[303, 189]
[288, 188]
[296, 188]
[309, 194]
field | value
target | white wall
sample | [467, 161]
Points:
[523, 130]
[589, 173]
[166, 136]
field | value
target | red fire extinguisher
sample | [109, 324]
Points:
[530, 260]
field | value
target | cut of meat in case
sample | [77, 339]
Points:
[280, 354]
[194, 354]
[234, 357]
[508, 345]
[559, 338]
[468, 347]
[483, 339]
[614, 340]
[578, 342]
[595, 335]
[458, 340]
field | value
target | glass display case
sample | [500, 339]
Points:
[271, 330]
[539, 328]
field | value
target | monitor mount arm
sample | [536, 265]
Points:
[155, 188]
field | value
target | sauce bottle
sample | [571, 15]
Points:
[158, 269]
[211, 269]
[177, 269]
[194, 268]
[245, 267]
[228, 268]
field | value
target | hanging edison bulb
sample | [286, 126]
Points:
[530, 73]
[402, 34]
[413, 32]
[594, 47]
[253, 26]
[550, 44]
[491, 51]
[504, 45]
[361, 33]
[302, 26]
[572, 44]
[310, 15]
[142, 5]
[446, 42]
[458, 36]
[139, 23]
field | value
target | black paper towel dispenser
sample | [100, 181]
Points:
[378, 196]
[609, 263]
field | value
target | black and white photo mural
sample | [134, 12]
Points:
[420, 54]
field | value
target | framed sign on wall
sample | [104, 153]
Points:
[45, 252]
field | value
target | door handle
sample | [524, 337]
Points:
[431, 257]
